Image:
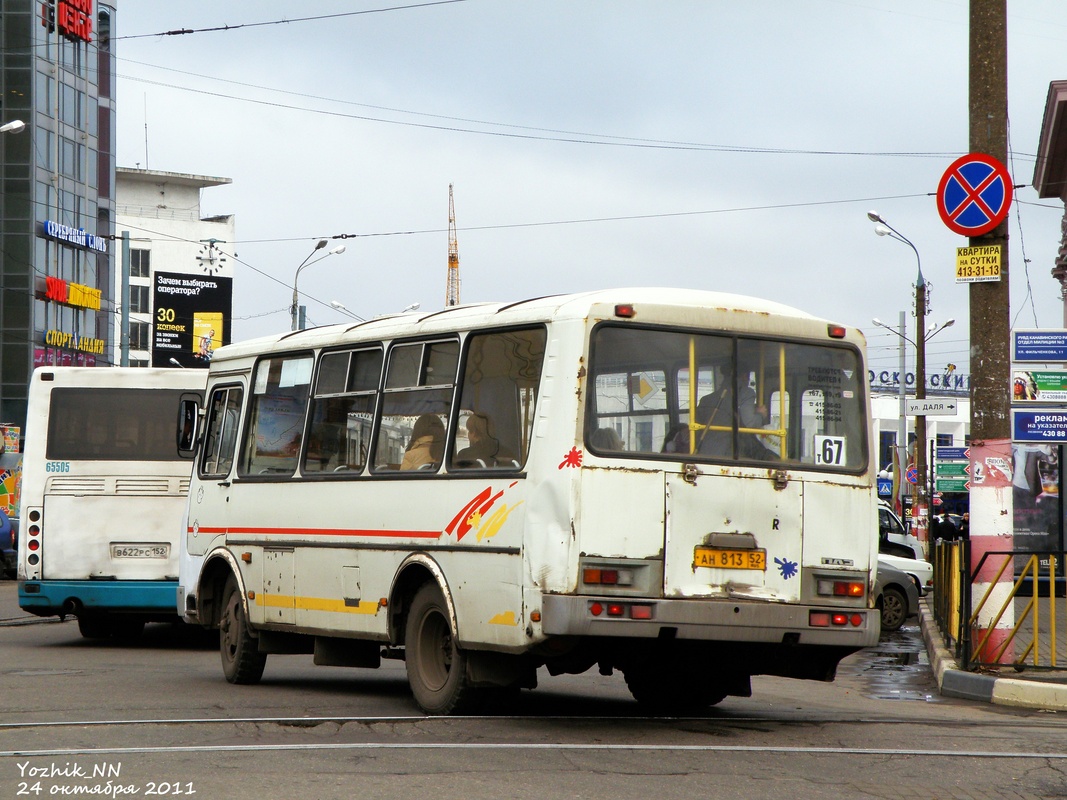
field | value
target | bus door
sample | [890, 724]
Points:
[735, 534]
[209, 504]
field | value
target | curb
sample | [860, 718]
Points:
[954, 682]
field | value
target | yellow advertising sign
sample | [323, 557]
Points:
[978, 264]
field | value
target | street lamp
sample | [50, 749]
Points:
[902, 424]
[346, 310]
[15, 126]
[295, 308]
[412, 307]
[883, 228]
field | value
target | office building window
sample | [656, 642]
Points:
[139, 300]
[138, 335]
[140, 263]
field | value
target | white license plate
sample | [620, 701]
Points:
[135, 550]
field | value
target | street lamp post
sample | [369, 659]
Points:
[15, 126]
[919, 512]
[297, 323]
[902, 424]
[902, 427]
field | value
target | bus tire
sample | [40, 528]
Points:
[665, 690]
[127, 627]
[436, 666]
[94, 626]
[242, 663]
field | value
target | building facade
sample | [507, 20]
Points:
[58, 201]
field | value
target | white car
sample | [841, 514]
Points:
[920, 571]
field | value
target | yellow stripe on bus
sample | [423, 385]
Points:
[315, 604]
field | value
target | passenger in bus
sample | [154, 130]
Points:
[606, 439]
[715, 410]
[483, 447]
[426, 447]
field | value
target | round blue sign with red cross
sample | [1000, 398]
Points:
[974, 194]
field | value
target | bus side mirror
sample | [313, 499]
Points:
[188, 417]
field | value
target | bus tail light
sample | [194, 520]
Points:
[836, 619]
[33, 544]
[638, 611]
[596, 576]
[827, 587]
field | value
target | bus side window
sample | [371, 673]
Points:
[224, 411]
[419, 383]
[501, 376]
[275, 429]
[346, 389]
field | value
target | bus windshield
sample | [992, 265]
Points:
[763, 400]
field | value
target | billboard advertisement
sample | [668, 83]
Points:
[190, 318]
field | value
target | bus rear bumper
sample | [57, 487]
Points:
[741, 621]
[55, 598]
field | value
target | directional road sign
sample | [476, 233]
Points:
[931, 406]
[952, 484]
[952, 469]
[953, 453]
[974, 194]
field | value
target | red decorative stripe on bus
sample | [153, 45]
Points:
[321, 532]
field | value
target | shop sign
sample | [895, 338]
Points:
[73, 236]
[73, 18]
[72, 294]
[72, 341]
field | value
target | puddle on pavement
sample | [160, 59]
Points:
[897, 668]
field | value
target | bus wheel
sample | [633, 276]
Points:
[241, 660]
[127, 627]
[94, 626]
[671, 691]
[437, 668]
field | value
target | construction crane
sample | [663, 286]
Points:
[452, 289]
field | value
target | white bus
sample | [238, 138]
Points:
[490, 489]
[103, 493]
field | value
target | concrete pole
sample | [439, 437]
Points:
[124, 318]
[902, 423]
[990, 334]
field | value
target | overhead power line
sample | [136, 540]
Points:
[218, 28]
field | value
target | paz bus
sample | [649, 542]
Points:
[566, 482]
[103, 493]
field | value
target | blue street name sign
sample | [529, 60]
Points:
[1039, 345]
[1047, 425]
[953, 454]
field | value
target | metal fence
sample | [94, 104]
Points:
[1002, 610]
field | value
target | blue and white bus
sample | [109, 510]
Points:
[103, 492]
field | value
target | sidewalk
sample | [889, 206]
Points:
[1038, 689]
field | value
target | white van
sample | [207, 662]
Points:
[893, 538]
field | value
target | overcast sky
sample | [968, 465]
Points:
[591, 143]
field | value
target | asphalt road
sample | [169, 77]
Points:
[157, 719]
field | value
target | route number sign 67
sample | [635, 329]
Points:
[830, 450]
